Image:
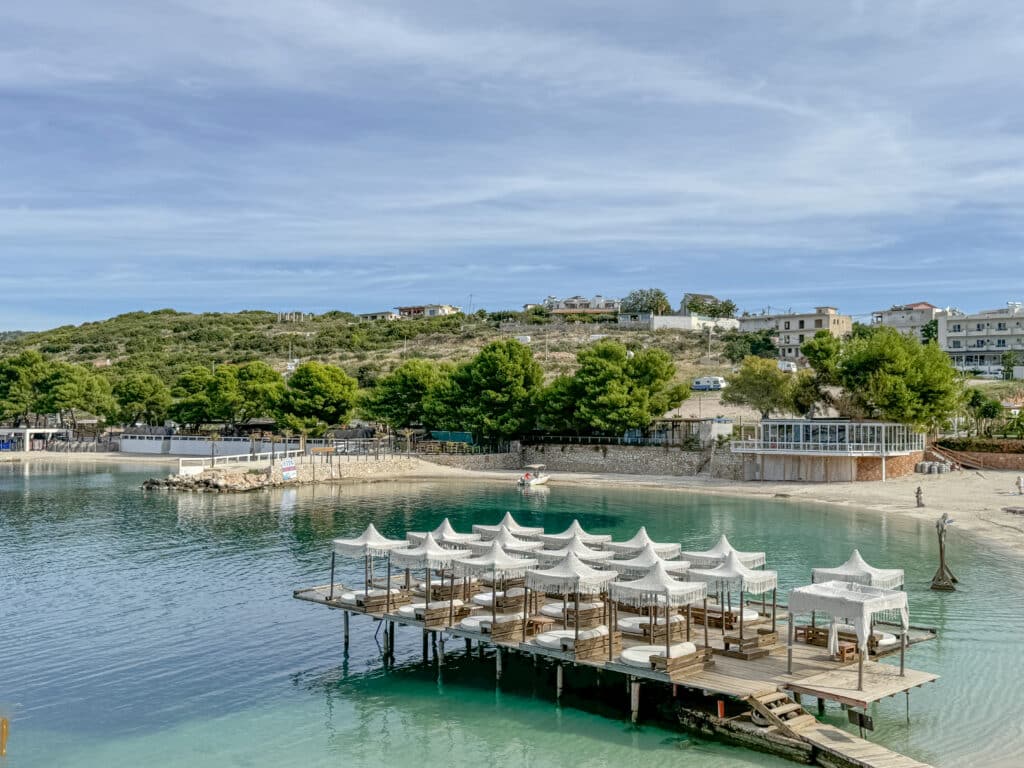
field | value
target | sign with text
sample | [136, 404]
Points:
[288, 470]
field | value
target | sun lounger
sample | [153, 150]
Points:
[683, 657]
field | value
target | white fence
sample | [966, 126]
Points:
[196, 466]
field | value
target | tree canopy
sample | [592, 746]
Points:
[760, 385]
[711, 307]
[318, 395]
[651, 300]
[398, 399]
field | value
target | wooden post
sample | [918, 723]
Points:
[705, 621]
[426, 658]
[387, 587]
[903, 652]
[526, 609]
[860, 669]
[634, 700]
[689, 616]
[741, 616]
[440, 649]
[668, 628]
[469, 646]
[497, 663]
[559, 682]
[821, 707]
[345, 615]
[774, 604]
[330, 595]
[789, 646]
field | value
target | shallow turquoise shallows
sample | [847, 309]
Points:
[157, 629]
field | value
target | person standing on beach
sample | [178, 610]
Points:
[1020, 485]
[919, 495]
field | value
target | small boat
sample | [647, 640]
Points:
[534, 475]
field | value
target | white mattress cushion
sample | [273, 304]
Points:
[471, 623]
[347, 597]
[553, 639]
[554, 610]
[634, 625]
[501, 618]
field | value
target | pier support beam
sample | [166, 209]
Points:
[559, 682]
[634, 700]
[426, 658]
[497, 663]
[821, 706]
[345, 615]
[469, 646]
[440, 650]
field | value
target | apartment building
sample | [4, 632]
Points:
[911, 319]
[792, 330]
[978, 341]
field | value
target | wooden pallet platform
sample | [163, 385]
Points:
[854, 750]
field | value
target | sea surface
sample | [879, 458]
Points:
[158, 629]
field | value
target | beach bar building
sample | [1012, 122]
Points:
[829, 450]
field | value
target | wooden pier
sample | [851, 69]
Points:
[760, 687]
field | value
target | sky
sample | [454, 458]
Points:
[215, 155]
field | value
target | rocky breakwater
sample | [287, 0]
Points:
[215, 481]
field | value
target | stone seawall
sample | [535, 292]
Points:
[481, 462]
[635, 460]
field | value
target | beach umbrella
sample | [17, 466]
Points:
[570, 576]
[430, 555]
[575, 546]
[656, 588]
[645, 561]
[444, 534]
[856, 571]
[368, 544]
[709, 558]
[555, 540]
[639, 542]
[522, 531]
[496, 562]
[508, 542]
[731, 575]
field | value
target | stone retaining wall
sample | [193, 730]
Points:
[634, 460]
[870, 467]
[1012, 462]
[480, 461]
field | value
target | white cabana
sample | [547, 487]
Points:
[496, 562]
[367, 545]
[570, 576]
[556, 540]
[709, 558]
[574, 546]
[443, 534]
[656, 588]
[852, 604]
[430, 555]
[857, 571]
[508, 541]
[734, 575]
[645, 561]
[641, 541]
[522, 531]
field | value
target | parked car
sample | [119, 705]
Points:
[786, 366]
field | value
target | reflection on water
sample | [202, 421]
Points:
[150, 627]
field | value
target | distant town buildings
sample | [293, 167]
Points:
[689, 298]
[680, 322]
[428, 310]
[977, 342]
[580, 305]
[911, 319]
[792, 330]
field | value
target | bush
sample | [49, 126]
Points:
[979, 445]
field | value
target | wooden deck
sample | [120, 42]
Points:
[814, 674]
[854, 750]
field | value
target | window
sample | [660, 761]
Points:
[956, 327]
[1000, 342]
[801, 337]
[956, 344]
[979, 327]
[1000, 326]
[801, 324]
[817, 323]
[785, 326]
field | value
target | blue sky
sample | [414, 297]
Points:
[325, 154]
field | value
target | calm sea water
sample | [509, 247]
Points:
[156, 629]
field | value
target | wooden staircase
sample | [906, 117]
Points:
[782, 712]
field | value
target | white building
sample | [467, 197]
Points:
[374, 316]
[977, 342]
[581, 305]
[651, 322]
[911, 319]
[428, 310]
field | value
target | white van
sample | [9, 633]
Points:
[787, 366]
[708, 383]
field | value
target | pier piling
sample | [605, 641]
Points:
[345, 613]
[559, 682]
[497, 664]
[634, 700]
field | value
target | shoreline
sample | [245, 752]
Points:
[974, 499]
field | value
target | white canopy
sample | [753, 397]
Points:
[429, 554]
[369, 542]
[849, 603]
[645, 561]
[444, 534]
[496, 561]
[507, 541]
[639, 542]
[657, 588]
[576, 547]
[856, 571]
[523, 531]
[734, 575]
[570, 575]
[716, 556]
[555, 540]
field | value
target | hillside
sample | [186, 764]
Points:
[167, 342]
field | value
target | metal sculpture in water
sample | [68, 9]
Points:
[943, 580]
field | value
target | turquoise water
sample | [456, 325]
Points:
[160, 629]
